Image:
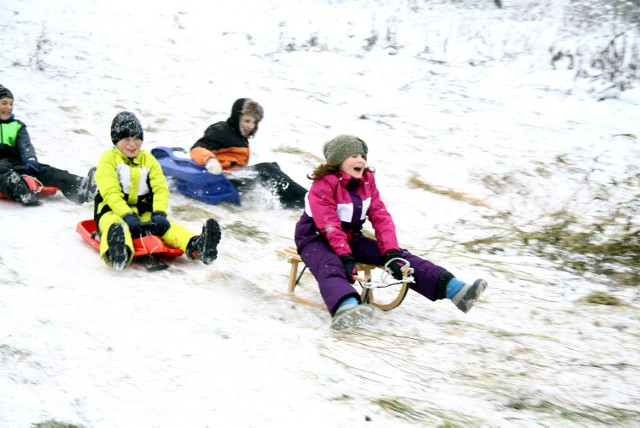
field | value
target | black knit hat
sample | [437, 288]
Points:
[125, 125]
[5, 93]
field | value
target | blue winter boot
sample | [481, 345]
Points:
[351, 314]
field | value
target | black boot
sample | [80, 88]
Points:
[204, 247]
[117, 252]
[88, 187]
[19, 189]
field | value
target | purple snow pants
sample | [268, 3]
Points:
[327, 268]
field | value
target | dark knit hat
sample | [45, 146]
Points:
[125, 125]
[5, 93]
[341, 147]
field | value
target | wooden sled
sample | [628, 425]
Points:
[364, 280]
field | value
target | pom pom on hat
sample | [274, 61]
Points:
[125, 125]
[341, 147]
[5, 93]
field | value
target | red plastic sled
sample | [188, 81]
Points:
[37, 187]
[150, 245]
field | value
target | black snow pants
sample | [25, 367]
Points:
[271, 177]
[69, 184]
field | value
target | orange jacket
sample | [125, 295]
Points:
[230, 159]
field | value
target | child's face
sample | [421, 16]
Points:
[354, 165]
[6, 108]
[247, 124]
[130, 146]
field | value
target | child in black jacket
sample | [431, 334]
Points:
[18, 158]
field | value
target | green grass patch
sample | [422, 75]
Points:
[583, 415]
[55, 424]
[602, 298]
[10, 351]
[397, 408]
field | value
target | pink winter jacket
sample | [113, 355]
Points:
[334, 213]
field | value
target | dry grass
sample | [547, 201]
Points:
[417, 183]
[608, 246]
[244, 232]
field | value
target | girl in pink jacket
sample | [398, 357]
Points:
[329, 238]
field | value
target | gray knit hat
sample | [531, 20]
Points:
[341, 147]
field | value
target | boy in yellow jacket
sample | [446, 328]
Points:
[132, 189]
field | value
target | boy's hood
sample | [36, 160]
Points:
[236, 111]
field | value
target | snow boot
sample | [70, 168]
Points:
[19, 189]
[88, 187]
[351, 315]
[204, 247]
[469, 295]
[117, 252]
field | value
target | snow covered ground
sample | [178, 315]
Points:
[460, 95]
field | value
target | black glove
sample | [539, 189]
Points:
[135, 226]
[349, 267]
[160, 223]
[32, 167]
[395, 266]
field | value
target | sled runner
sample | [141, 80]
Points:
[386, 301]
[36, 186]
[193, 180]
[148, 250]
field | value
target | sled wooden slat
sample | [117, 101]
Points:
[294, 259]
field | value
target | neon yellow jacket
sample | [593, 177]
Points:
[126, 185]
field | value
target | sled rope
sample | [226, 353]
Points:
[300, 276]
[384, 282]
[38, 182]
[149, 251]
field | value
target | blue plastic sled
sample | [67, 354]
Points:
[193, 180]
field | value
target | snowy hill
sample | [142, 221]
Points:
[483, 123]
